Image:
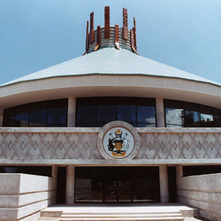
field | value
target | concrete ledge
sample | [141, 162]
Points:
[24, 196]
[203, 192]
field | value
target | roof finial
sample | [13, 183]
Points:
[111, 36]
[92, 27]
[107, 22]
[125, 24]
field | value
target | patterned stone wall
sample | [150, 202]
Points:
[158, 145]
[180, 145]
[48, 145]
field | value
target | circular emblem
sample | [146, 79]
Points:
[117, 140]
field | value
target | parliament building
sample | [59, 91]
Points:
[110, 126]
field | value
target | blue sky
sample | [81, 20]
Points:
[36, 34]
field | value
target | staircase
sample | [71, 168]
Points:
[116, 213]
[151, 216]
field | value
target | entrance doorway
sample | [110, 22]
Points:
[117, 184]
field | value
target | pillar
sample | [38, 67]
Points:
[179, 172]
[1, 117]
[70, 173]
[164, 191]
[160, 112]
[71, 111]
[54, 175]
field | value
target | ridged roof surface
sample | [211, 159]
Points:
[110, 61]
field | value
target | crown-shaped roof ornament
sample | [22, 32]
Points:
[111, 36]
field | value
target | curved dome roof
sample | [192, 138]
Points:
[110, 61]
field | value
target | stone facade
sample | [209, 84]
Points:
[79, 145]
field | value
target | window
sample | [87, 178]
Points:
[57, 113]
[186, 114]
[217, 117]
[191, 115]
[40, 114]
[21, 116]
[97, 111]
[174, 113]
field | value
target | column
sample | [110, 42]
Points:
[164, 192]
[160, 112]
[70, 172]
[179, 171]
[54, 175]
[71, 111]
[1, 117]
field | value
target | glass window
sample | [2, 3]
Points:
[192, 115]
[22, 116]
[86, 112]
[89, 184]
[57, 113]
[146, 112]
[206, 116]
[217, 117]
[38, 113]
[126, 110]
[106, 111]
[9, 117]
[186, 114]
[174, 113]
[92, 112]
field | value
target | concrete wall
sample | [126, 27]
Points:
[22, 196]
[203, 192]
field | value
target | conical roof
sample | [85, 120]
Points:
[109, 61]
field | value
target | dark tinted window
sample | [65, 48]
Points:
[9, 117]
[106, 111]
[22, 116]
[39, 114]
[191, 115]
[146, 112]
[57, 113]
[174, 113]
[206, 116]
[86, 110]
[186, 114]
[96, 112]
[126, 110]
[217, 117]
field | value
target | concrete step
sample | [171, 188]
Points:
[125, 219]
[141, 212]
[122, 216]
[48, 219]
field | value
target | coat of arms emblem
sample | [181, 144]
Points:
[118, 143]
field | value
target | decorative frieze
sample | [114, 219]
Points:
[156, 145]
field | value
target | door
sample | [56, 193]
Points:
[117, 185]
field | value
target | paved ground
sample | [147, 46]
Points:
[138, 207]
